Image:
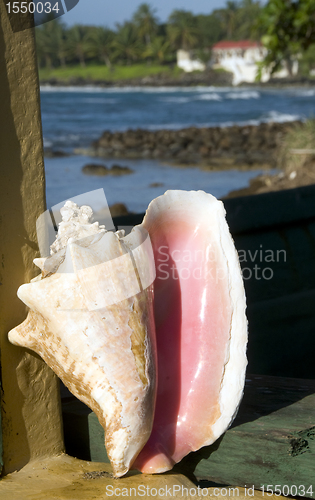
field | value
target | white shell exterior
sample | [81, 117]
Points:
[91, 320]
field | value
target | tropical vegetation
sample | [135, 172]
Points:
[285, 27]
[143, 38]
[297, 148]
[288, 28]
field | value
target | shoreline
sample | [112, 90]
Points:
[208, 78]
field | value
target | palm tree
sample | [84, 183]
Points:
[101, 44]
[182, 30]
[44, 49]
[145, 21]
[248, 13]
[127, 43]
[61, 45]
[50, 42]
[230, 16]
[78, 42]
[159, 49]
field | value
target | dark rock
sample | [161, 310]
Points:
[118, 170]
[95, 169]
[156, 184]
[55, 153]
[256, 144]
[132, 140]
[118, 209]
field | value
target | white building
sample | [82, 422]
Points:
[241, 58]
[188, 62]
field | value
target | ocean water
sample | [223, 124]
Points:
[64, 179]
[74, 117]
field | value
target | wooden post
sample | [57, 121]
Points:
[30, 402]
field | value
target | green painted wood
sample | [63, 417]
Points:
[271, 442]
[97, 440]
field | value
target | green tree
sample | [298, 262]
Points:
[145, 22]
[210, 29]
[288, 27]
[182, 30]
[307, 61]
[61, 44]
[51, 43]
[100, 44]
[127, 43]
[45, 48]
[158, 49]
[230, 18]
[78, 43]
[247, 14]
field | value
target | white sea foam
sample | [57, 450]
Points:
[47, 143]
[64, 138]
[170, 126]
[174, 99]
[71, 89]
[113, 90]
[213, 96]
[100, 100]
[248, 94]
[305, 93]
[272, 116]
[130, 89]
[278, 117]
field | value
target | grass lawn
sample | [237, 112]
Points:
[101, 72]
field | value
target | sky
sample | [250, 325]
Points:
[110, 12]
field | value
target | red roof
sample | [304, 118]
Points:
[241, 44]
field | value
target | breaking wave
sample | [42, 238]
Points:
[272, 116]
[174, 99]
[243, 95]
[100, 100]
[47, 143]
[130, 89]
[209, 97]
[276, 116]
[305, 93]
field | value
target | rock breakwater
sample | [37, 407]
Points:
[246, 146]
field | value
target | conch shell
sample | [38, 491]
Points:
[201, 327]
[91, 320]
[112, 338]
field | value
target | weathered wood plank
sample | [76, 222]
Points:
[271, 442]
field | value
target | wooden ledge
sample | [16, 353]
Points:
[67, 478]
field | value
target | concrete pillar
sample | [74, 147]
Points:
[30, 402]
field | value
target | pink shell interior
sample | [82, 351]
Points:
[193, 316]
